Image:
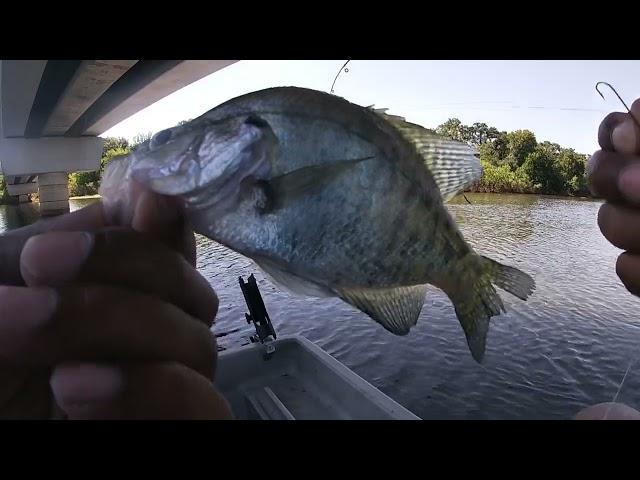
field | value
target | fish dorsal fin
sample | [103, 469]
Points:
[453, 165]
[396, 309]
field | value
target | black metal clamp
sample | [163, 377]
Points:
[265, 333]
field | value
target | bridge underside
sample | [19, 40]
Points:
[52, 111]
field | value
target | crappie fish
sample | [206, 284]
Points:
[330, 199]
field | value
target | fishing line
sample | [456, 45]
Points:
[615, 397]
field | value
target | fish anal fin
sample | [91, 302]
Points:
[396, 309]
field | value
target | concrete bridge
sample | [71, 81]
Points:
[52, 111]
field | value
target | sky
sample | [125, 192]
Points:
[556, 100]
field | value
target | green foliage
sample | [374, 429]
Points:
[516, 162]
[501, 179]
[4, 196]
[114, 143]
[477, 134]
[520, 144]
[542, 169]
[88, 183]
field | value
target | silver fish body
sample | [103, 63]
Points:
[334, 199]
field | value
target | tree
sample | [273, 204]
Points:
[112, 143]
[453, 129]
[572, 168]
[481, 133]
[542, 170]
[552, 148]
[495, 150]
[520, 144]
[140, 138]
[88, 183]
[4, 195]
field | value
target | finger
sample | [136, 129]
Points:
[12, 242]
[620, 132]
[605, 131]
[604, 171]
[159, 391]
[42, 327]
[118, 257]
[162, 217]
[608, 411]
[629, 183]
[90, 217]
[620, 225]
[628, 270]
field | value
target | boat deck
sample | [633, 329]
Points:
[299, 381]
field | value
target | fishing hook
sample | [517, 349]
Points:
[619, 98]
[346, 70]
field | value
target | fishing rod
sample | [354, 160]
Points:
[342, 69]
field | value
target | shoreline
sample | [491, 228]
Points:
[85, 197]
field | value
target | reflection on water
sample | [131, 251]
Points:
[16, 216]
[565, 348]
[12, 217]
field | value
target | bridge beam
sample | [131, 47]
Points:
[35, 156]
[22, 188]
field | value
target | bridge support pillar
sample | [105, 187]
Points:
[53, 191]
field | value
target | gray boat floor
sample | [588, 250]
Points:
[299, 381]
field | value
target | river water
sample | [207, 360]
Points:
[565, 348]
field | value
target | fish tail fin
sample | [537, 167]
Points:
[510, 279]
[477, 302]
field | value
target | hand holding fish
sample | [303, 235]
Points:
[89, 329]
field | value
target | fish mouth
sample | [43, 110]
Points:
[173, 176]
[162, 184]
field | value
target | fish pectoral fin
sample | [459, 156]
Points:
[292, 282]
[396, 309]
[286, 188]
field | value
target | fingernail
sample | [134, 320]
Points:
[22, 312]
[624, 137]
[54, 258]
[85, 383]
[629, 183]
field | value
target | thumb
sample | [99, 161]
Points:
[163, 218]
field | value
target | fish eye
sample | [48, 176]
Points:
[160, 138]
[256, 121]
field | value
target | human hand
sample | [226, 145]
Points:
[614, 174]
[103, 322]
